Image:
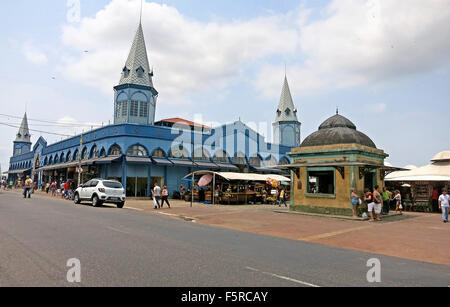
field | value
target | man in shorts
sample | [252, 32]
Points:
[444, 203]
[375, 205]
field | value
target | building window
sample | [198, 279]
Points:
[178, 152]
[284, 161]
[126, 72]
[321, 182]
[124, 108]
[115, 150]
[158, 153]
[85, 156]
[143, 109]
[255, 161]
[76, 156]
[68, 156]
[134, 108]
[103, 153]
[94, 152]
[138, 151]
[140, 72]
[118, 108]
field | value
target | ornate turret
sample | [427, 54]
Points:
[286, 127]
[22, 144]
[135, 96]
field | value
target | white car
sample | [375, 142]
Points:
[101, 191]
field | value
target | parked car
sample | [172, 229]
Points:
[100, 191]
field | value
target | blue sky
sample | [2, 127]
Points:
[384, 63]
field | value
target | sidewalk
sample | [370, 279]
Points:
[415, 236]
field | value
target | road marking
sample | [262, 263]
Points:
[333, 233]
[117, 230]
[169, 214]
[132, 208]
[284, 277]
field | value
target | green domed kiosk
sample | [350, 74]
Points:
[332, 161]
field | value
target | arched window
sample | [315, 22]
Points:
[221, 156]
[255, 160]
[240, 159]
[140, 72]
[201, 154]
[178, 152]
[115, 150]
[76, 155]
[270, 161]
[68, 156]
[102, 153]
[56, 161]
[137, 150]
[159, 153]
[61, 159]
[50, 161]
[85, 155]
[94, 152]
[284, 161]
[45, 161]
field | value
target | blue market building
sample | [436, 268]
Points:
[139, 152]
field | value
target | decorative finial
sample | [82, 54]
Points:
[140, 17]
[337, 110]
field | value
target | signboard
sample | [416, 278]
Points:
[79, 170]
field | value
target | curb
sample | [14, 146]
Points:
[340, 217]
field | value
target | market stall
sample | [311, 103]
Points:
[233, 188]
[423, 181]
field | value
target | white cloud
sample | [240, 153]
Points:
[359, 42]
[34, 55]
[187, 55]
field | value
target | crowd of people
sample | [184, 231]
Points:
[381, 202]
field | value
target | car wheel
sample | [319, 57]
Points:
[76, 199]
[95, 201]
[120, 205]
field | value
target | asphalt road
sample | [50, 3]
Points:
[121, 247]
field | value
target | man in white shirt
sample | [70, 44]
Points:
[157, 196]
[444, 200]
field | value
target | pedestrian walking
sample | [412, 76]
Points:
[53, 188]
[157, 196]
[27, 187]
[66, 189]
[282, 198]
[386, 200]
[444, 201]
[354, 202]
[165, 197]
[398, 202]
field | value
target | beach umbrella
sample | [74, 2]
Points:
[205, 180]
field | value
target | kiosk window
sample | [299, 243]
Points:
[321, 182]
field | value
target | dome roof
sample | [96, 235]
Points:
[337, 130]
[442, 156]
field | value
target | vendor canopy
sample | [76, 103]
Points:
[438, 171]
[242, 176]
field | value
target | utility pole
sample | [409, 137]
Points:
[79, 160]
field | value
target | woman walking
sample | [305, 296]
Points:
[398, 202]
[165, 197]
